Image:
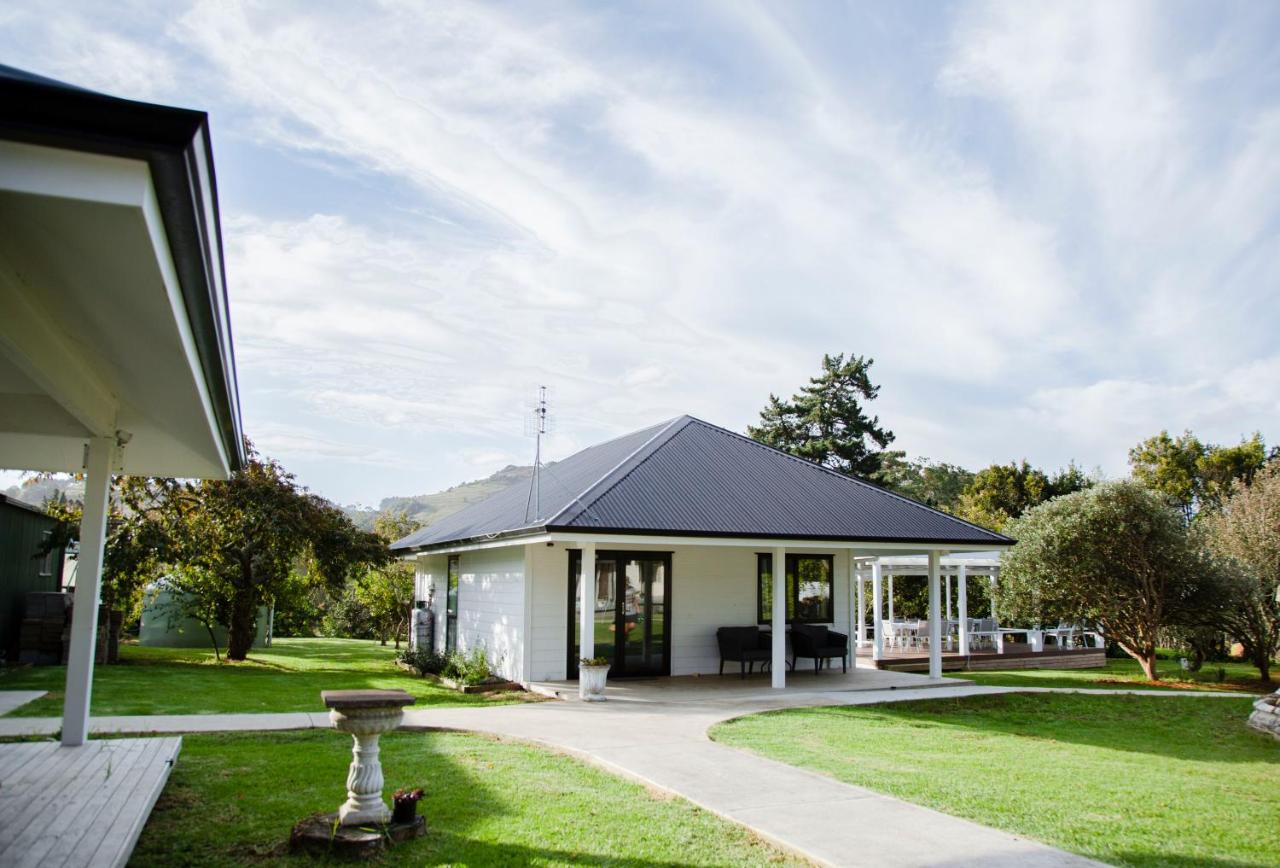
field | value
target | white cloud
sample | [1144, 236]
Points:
[1064, 213]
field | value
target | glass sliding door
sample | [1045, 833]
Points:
[632, 623]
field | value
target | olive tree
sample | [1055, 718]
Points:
[1245, 533]
[1116, 555]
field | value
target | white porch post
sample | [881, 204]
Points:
[587, 607]
[947, 580]
[861, 604]
[889, 578]
[84, 617]
[877, 612]
[935, 623]
[992, 589]
[779, 662]
[962, 601]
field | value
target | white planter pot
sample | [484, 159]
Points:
[591, 681]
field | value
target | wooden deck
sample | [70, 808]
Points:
[79, 806]
[1015, 657]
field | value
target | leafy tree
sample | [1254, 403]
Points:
[826, 421]
[1246, 533]
[1192, 474]
[935, 484]
[386, 591]
[132, 545]
[1116, 555]
[246, 535]
[1002, 492]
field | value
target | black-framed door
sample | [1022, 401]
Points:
[632, 612]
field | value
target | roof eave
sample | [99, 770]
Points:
[176, 145]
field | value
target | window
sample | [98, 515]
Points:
[46, 560]
[451, 605]
[809, 588]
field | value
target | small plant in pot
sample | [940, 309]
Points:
[404, 805]
[592, 673]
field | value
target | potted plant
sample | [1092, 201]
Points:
[592, 672]
[404, 805]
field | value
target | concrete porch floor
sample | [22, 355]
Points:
[754, 688]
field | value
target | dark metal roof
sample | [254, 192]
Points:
[687, 477]
[176, 145]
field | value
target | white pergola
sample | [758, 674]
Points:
[115, 340]
[880, 572]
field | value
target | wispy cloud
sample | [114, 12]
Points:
[1054, 227]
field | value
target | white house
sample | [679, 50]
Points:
[680, 524]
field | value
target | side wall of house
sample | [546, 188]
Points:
[491, 598]
[711, 586]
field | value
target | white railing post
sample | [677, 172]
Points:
[962, 600]
[877, 612]
[779, 574]
[935, 623]
[84, 615]
[889, 582]
[861, 603]
[587, 605]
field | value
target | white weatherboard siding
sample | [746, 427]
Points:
[712, 586]
[491, 607]
[548, 597]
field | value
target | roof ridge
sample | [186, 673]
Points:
[671, 425]
[848, 478]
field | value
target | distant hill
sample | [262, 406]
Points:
[37, 492]
[430, 508]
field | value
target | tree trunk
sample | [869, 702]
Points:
[1264, 668]
[243, 626]
[1148, 664]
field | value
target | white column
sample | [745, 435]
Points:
[947, 579]
[992, 595]
[890, 581]
[877, 612]
[935, 622]
[779, 663]
[587, 606]
[962, 601]
[862, 606]
[84, 617]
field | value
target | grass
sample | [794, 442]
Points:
[1126, 673]
[288, 676]
[1131, 780]
[231, 800]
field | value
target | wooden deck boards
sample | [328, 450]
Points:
[79, 806]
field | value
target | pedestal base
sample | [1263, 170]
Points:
[322, 835]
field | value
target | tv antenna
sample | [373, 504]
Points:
[537, 423]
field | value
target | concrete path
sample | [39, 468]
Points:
[664, 744]
[11, 699]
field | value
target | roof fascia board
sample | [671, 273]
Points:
[760, 542]
[459, 547]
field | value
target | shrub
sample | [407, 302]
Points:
[424, 661]
[471, 668]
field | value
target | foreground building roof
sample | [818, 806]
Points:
[686, 477]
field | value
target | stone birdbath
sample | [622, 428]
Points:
[362, 824]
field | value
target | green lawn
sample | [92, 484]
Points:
[1125, 673]
[232, 799]
[1131, 780]
[288, 676]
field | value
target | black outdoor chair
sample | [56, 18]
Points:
[819, 643]
[744, 646]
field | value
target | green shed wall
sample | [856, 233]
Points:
[22, 531]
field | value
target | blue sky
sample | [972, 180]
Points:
[1054, 227]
